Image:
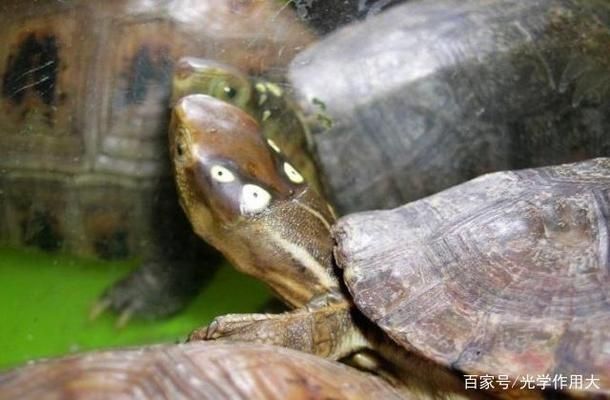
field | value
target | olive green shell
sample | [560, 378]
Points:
[507, 274]
[197, 371]
[84, 96]
[429, 94]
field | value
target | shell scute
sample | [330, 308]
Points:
[505, 274]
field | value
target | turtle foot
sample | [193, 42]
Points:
[327, 331]
[259, 328]
[154, 290]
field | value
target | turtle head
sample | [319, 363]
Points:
[245, 198]
[199, 75]
[263, 99]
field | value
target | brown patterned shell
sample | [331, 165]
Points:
[507, 274]
[84, 106]
[193, 371]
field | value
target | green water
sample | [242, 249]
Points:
[45, 302]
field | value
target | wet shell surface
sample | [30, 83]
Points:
[429, 94]
[193, 371]
[507, 274]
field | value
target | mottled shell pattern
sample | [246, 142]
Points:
[507, 274]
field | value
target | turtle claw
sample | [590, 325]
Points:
[235, 327]
[209, 332]
[104, 304]
[99, 308]
[124, 318]
[156, 290]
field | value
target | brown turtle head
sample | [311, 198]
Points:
[246, 199]
[200, 75]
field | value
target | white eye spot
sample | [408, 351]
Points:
[221, 174]
[292, 173]
[273, 145]
[254, 199]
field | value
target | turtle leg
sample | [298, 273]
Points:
[158, 288]
[177, 267]
[327, 331]
[331, 331]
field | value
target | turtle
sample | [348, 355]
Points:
[192, 371]
[504, 275]
[261, 97]
[85, 90]
[358, 149]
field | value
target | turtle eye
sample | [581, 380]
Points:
[292, 173]
[221, 174]
[224, 90]
[254, 199]
[230, 92]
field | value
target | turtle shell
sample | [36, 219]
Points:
[84, 93]
[507, 274]
[429, 94]
[193, 371]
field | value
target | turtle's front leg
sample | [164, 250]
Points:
[166, 281]
[327, 331]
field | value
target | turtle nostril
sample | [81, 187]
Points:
[180, 149]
